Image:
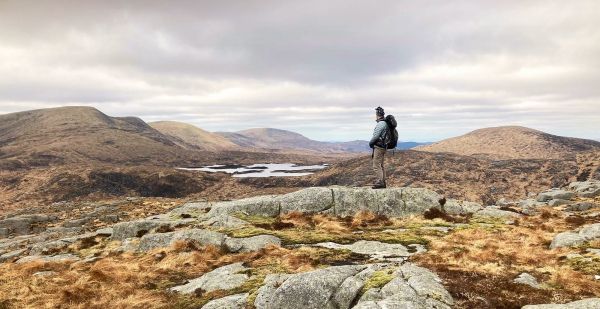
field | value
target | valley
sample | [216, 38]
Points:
[99, 211]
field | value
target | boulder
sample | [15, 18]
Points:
[223, 278]
[253, 243]
[159, 240]
[191, 210]
[25, 224]
[136, 228]
[9, 256]
[237, 301]
[52, 246]
[76, 223]
[310, 290]
[141, 227]
[566, 239]
[49, 247]
[340, 201]
[416, 201]
[590, 303]
[267, 206]
[310, 200]
[582, 206]
[265, 292]
[530, 203]
[411, 287]
[426, 284]
[495, 212]
[457, 207]
[558, 202]
[224, 221]
[586, 188]
[375, 249]
[590, 231]
[391, 202]
[108, 231]
[555, 194]
[527, 279]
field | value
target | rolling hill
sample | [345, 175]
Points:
[192, 137]
[269, 138]
[513, 142]
[81, 134]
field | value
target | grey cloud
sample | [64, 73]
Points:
[311, 66]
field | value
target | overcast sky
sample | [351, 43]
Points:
[319, 68]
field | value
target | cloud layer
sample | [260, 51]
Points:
[315, 67]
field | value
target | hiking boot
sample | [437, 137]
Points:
[378, 186]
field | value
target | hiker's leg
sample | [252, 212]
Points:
[384, 174]
[378, 165]
[375, 165]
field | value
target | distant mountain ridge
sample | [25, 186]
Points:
[192, 137]
[77, 134]
[270, 138]
[513, 142]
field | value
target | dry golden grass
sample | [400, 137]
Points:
[495, 256]
[141, 280]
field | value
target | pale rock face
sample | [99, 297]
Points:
[527, 279]
[267, 205]
[566, 239]
[586, 188]
[223, 278]
[375, 249]
[495, 212]
[225, 221]
[310, 290]
[340, 201]
[137, 228]
[555, 194]
[203, 237]
[253, 243]
[310, 200]
[338, 287]
[558, 202]
[570, 239]
[237, 301]
[24, 224]
[590, 231]
[457, 207]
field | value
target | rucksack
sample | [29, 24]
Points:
[390, 137]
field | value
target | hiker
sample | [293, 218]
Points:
[384, 137]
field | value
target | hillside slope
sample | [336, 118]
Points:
[465, 177]
[80, 134]
[513, 142]
[192, 137]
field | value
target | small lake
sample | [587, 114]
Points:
[260, 170]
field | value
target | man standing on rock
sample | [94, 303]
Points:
[377, 143]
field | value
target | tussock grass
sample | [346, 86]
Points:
[141, 280]
[493, 254]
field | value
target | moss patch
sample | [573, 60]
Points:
[588, 265]
[377, 280]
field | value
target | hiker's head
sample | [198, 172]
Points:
[379, 113]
